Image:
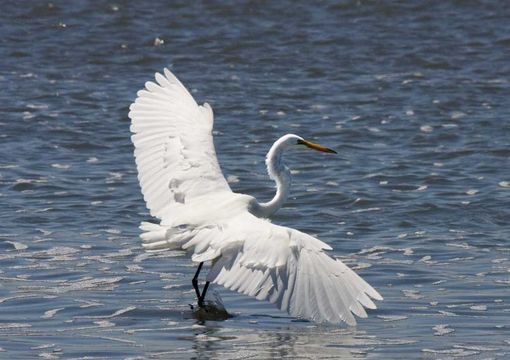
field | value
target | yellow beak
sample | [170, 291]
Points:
[314, 146]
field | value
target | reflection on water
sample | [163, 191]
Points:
[308, 342]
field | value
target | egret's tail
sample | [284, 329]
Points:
[158, 237]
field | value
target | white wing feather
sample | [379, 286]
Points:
[174, 148]
[281, 265]
[288, 268]
[183, 186]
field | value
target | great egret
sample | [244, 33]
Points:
[184, 187]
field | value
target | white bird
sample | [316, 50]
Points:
[184, 187]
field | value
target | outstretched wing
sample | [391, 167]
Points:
[174, 148]
[284, 266]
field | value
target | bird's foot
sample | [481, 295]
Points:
[200, 306]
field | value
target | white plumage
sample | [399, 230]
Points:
[184, 187]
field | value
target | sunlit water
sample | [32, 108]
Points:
[413, 97]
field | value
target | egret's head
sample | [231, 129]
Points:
[291, 140]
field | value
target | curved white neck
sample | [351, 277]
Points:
[280, 173]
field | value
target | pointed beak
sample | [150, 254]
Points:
[314, 146]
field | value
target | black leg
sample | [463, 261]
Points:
[202, 297]
[195, 282]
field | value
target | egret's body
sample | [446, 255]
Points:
[184, 187]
